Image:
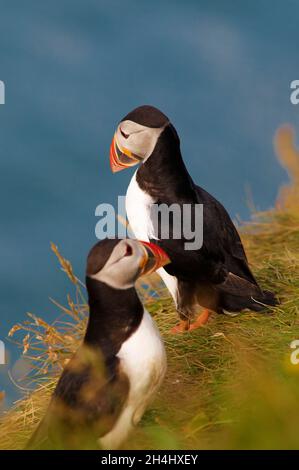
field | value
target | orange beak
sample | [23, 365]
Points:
[121, 158]
[154, 258]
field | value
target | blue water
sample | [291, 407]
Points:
[221, 70]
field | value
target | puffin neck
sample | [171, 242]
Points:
[114, 315]
[164, 172]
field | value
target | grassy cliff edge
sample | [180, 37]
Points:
[230, 385]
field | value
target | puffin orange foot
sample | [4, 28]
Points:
[180, 327]
[200, 320]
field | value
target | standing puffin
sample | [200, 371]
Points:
[107, 384]
[216, 276]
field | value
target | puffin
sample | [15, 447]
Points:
[108, 383]
[214, 277]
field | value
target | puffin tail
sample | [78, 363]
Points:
[267, 299]
[256, 303]
[237, 294]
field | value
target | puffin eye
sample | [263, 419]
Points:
[129, 250]
[123, 133]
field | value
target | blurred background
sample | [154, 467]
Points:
[220, 70]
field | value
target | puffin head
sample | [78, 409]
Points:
[119, 263]
[136, 137]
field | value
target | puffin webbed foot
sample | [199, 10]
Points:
[181, 327]
[185, 325]
[201, 320]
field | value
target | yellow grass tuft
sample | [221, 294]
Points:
[288, 156]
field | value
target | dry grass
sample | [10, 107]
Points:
[229, 385]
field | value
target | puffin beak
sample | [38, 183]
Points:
[153, 259]
[121, 158]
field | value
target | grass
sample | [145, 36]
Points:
[229, 385]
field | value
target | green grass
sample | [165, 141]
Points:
[229, 385]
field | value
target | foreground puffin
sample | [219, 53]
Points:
[106, 386]
[216, 276]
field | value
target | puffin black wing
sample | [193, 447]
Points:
[240, 281]
[85, 405]
[222, 236]
[221, 261]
